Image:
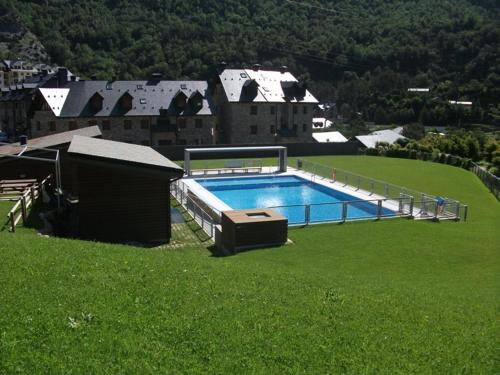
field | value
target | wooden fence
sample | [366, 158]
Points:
[25, 193]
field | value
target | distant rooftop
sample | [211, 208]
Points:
[257, 85]
[329, 137]
[147, 98]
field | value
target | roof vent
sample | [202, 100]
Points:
[256, 67]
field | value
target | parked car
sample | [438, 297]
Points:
[4, 138]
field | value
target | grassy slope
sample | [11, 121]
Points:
[394, 296]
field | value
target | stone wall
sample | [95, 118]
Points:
[147, 130]
[267, 122]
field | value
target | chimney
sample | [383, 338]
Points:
[23, 140]
[62, 76]
[156, 76]
[283, 69]
[256, 67]
[221, 67]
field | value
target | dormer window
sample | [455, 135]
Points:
[196, 100]
[179, 100]
[250, 88]
[126, 102]
[96, 102]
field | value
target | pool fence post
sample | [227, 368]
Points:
[344, 211]
[457, 211]
[436, 211]
[411, 206]
[466, 209]
[400, 206]
[308, 214]
[379, 208]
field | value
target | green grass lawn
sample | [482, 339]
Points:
[394, 296]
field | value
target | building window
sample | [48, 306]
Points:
[106, 125]
[144, 124]
[295, 110]
[164, 142]
[304, 127]
[253, 110]
[72, 125]
[253, 129]
[145, 142]
[273, 110]
[52, 125]
[272, 129]
[38, 125]
[182, 123]
[127, 124]
[304, 110]
[295, 127]
[199, 123]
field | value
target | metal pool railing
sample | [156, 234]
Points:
[348, 210]
[206, 217]
[425, 206]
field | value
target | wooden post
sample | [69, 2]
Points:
[24, 212]
[12, 221]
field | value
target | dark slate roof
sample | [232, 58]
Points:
[271, 86]
[149, 98]
[25, 89]
[121, 153]
[52, 140]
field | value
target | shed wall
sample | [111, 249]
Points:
[116, 206]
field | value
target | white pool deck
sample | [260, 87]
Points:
[211, 200]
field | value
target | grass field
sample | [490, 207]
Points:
[394, 296]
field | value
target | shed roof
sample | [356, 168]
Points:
[52, 140]
[121, 153]
[269, 84]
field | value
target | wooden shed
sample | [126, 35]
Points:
[21, 168]
[123, 191]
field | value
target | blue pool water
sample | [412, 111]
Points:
[293, 192]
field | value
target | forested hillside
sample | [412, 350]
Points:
[362, 54]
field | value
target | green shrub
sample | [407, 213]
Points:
[372, 152]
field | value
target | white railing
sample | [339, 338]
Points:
[207, 221]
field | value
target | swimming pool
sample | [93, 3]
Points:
[289, 194]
